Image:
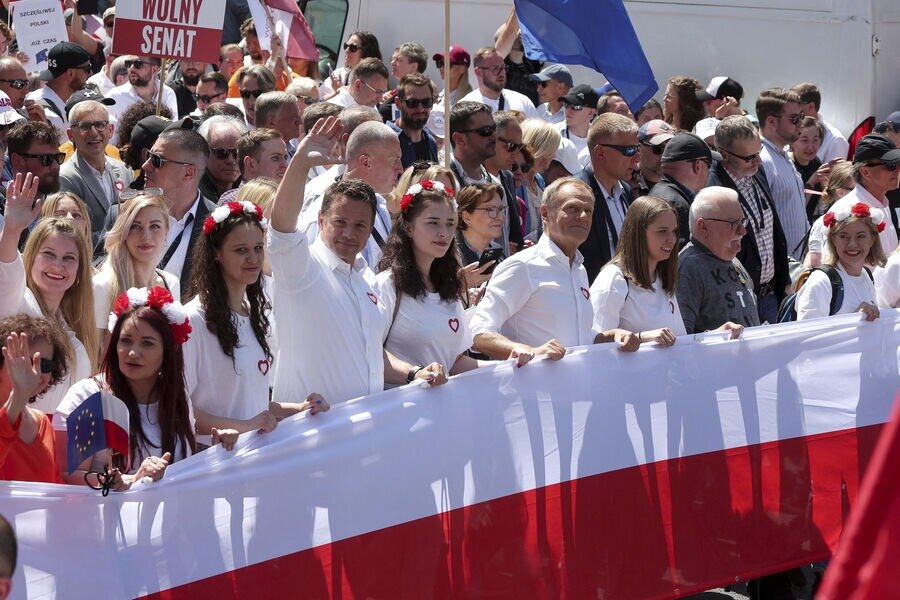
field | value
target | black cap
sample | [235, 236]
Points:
[581, 95]
[87, 94]
[62, 57]
[687, 146]
[148, 129]
[721, 87]
[876, 147]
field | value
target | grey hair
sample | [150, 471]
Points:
[268, 104]
[733, 128]
[209, 123]
[263, 76]
[303, 86]
[553, 196]
[367, 135]
[85, 106]
[708, 201]
[354, 116]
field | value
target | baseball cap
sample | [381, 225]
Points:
[567, 156]
[149, 128]
[687, 146]
[706, 127]
[458, 56]
[8, 114]
[655, 132]
[720, 87]
[556, 73]
[894, 116]
[62, 57]
[876, 147]
[87, 94]
[581, 95]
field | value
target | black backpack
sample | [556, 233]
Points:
[787, 312]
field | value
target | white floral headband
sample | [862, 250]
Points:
[429, 185]
[860, 210]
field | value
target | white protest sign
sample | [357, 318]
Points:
[39, 25]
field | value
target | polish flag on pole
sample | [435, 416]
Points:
[287, 20]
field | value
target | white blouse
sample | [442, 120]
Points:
[617, 304]
[103, 301]
[887, 282]
[814, 298]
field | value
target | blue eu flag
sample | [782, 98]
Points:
[41, 56]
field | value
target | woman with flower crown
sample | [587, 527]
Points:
[228, 358]
[144, 368]
[853, 243]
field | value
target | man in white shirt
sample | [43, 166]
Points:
[325, 295]
[834, 144]
[68, 68]
[490, 71]
[554, 82]
[367, 84]
[143, 79]
[538, 301]
[581, 107]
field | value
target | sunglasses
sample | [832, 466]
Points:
[882, 127]
[207, 99]
[247, 94]
[158, 161]
[16, 83]
[47, 365]
[626, 150]
[524, 167]
[749, 158]
[415, 102]
[486, 131]
[795, 118]
[374, 89]
[735, 225]
[86, 126]
[351, 47]
[223, 153]
[46, 159]
[307, 100]
[440, 63]
[151, 191]
[137, 64]
[574, 107]
[657, 149]
[422, 165]
[510, 146]
[889, 166]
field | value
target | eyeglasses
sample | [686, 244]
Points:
[574, 107]
[86, 126]
[137, 63]
[749, 158]
[307, 100]
[151, 191]
[247, 94]
[207, 99]
[493, 211]
[47, 365]
[46, 159]
[423, 102]
[657, 149]
[524, 167]
[626, 150]
[486, 131]
[351, 47]
[377, 91]
[495, 69]
[735, 225]
[158, 161]
[16, 83]
[510, 146]
[223, 153]
[794, 118]
[889, 166]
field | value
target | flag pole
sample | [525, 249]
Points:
[447, 84]
[163, 67]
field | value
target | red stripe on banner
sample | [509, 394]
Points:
[116, 437]
[166, 40]
[661, 530]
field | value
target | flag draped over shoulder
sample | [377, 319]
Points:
[289, 19]
[594, 33]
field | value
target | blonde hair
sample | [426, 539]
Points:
[841, 176]
[876, 255]
[77, 305]
[119, 264]
[259, 191]
[413, 175]
[50, 205]
[541, 137]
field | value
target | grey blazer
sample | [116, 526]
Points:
[75, 177]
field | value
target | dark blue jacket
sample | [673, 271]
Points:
[407, 148]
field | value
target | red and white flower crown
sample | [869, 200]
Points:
[230, 208]
[860, 210]
[158, 298]
[425, 184]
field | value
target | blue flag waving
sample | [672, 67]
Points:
[594, 33]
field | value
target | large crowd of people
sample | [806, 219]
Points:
[323, 252]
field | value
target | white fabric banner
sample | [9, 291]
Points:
[393, 457]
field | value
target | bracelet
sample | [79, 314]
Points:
[640, 339]
[411, 374]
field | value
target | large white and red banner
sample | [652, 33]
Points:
[186, 29]
[603, 475]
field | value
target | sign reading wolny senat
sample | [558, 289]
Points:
[189, 29]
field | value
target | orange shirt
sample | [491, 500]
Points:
[27, 462]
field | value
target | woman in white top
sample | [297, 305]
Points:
[419, 280]
[134, 246]
[228, 359]
[852, 244]
[840, 183]
[51, 279]
[360, 45]
[887, 282]
[144, 368]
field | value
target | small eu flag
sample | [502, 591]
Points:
[98, 423]
[41, 56]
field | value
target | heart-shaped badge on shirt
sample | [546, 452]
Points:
[454, 324]
[372, 297]
[586, 293]
[263, 367]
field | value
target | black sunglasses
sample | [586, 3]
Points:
[889, 166]
[137, 63]
[510, 146]
[626, 150]
[46, 159]
[486, 131]
[351, 47]
[47, 365]
[158, 161]
[749, 158]
[657, 149]
[423, 102]
[517, 167]
[16, 83]
[223, 153]
[207, 99]
[247, 94]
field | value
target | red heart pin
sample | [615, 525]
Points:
[454, 324]
[586, 293]
[263, 366]
[372, 297]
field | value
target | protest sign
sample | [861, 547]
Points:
[185, 29]
[39, 26]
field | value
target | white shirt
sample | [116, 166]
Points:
[217, 385]
[887, 283]
[558, 117]
[176, 261]
[616, 205]
[535, 296]
[426, 328]
[888, 237]
[331, 322]
[308, 222]
[60, 121]
[814, 298]
[343, 98]
[579, 142]
[317, 185]
[834, 144]
[16, 298]
[102, 81]
[512, 100]
[618, 304]
[126, 97]
[103, 288]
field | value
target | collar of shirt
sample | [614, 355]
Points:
[335, 262]
[458, 169]
[549, 251]
[773, 148]
[191, 211]
[866, 196]
[613, 194]
[685, 192]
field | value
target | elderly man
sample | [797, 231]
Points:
[279, 111]
[330, 283]
[71, 66]
[537, 301]
[554, 82]
[222, 171]
[142, 85]
[764, 249]
[413, 102]
[713, 286]
[90, 174]
[366, 86]
[653, 136]
[685, 164]
[490, 71]
[615, 154]
[262, 153]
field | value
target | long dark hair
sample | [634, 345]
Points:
[400, 259]
[207, 282]
[174, 416]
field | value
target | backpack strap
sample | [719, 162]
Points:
[837, 288]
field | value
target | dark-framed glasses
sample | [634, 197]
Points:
[157, 160]
[510, 146]
[485, 131]
[749, 158]
[86, 126]
[626, 150]
[223, 153]
[16, 83]
[416, 102]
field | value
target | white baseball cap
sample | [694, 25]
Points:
[8, 114]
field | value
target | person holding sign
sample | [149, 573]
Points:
[143, 79]
[68, 68]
